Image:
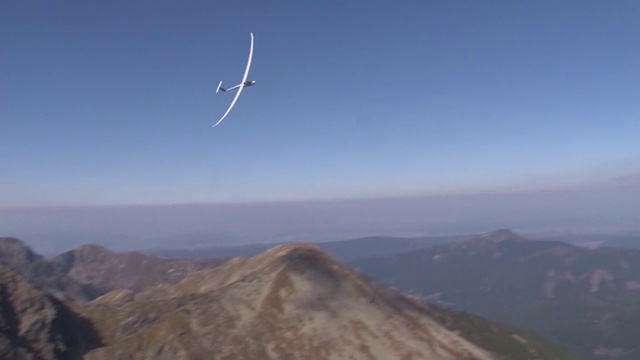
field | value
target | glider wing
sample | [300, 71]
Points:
[244, 78]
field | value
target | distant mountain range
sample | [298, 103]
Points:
[586, 299]
[594, 240]
[377, 246]
[290, 302]
[344, 250]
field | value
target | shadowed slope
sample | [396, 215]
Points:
[35, 325]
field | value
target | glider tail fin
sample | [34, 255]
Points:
[220, 88]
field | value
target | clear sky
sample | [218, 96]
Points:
[112, 102]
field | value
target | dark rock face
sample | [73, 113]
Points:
[35, 325]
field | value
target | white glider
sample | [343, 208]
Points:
[240, 86]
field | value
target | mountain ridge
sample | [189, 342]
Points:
[295, 301]
[90, 271]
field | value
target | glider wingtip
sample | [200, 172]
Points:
[218, 123]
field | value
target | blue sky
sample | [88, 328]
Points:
[112, 102]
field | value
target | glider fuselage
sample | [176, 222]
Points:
[244, 84]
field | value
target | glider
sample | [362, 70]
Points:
[244, 83]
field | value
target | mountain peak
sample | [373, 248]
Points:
[287, 251]
[303, 259]
[15, 245]
[14, 252]
[300, 256]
